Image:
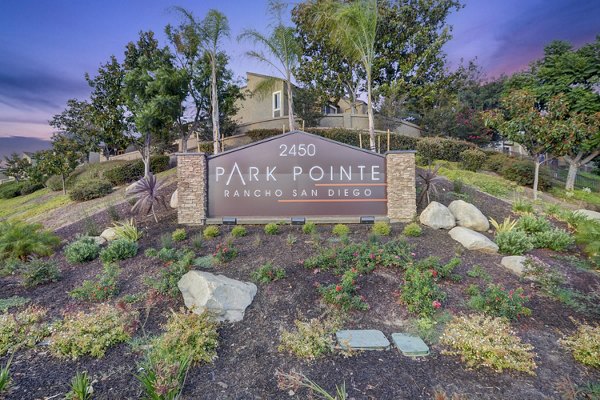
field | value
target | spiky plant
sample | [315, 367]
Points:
[146, 190]
[429, 179]
[505, 226]
[19, 240]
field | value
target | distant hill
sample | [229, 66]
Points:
[19, 144]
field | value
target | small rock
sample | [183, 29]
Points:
[472, 240]
[224, 298]
[223, 385]
[99, 240]
[174, 200]
[515, 264]
[437, 216]
[109, 234]
[469, 216]
[589, 214]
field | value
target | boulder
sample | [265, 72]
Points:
[516, 264]
[99, 240]
[437, 216]
[472, 240]
[174, 200]
[593, 215]
[109, 234]
[225, 298]
[469, 216]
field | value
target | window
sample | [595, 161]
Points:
[330, 109]
[276, 104]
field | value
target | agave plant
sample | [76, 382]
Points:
[148, 199]
[429, 179]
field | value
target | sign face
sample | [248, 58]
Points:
[296, 174]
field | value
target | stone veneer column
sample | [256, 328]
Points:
[401, 185]
[192, 188]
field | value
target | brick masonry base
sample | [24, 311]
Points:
[401, 185]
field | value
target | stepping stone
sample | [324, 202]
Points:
[362, 339]
[412, 346]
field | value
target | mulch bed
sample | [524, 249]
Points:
[248, 358]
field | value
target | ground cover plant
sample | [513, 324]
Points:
[119, 249]
[268, 273]
[82, 250]
[310, 339]
[39, 271]
[104, 287]
[14, 301]
[496, 301]
[584, 344]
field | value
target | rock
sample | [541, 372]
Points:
[99, 240]
[469, 216]
[515, 264]
[362, 339]
[174, 200]
[223, 297]
[472, 240]
[594, 215]
[437, 216]
[109, 234]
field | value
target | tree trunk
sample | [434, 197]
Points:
[146, 155]
[184, 139]
[370, 112]
[64, 185]
[290, 103]
[571, 176]
[536, 177]
[215, 105]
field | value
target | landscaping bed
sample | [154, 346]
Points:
[248, 356]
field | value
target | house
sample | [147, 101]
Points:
[270, 111]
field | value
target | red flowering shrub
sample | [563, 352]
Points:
[225, 253]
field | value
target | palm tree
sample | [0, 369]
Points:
[285, 51]
[353, 28]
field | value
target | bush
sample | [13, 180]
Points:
[420, 293]
[238, 231]
[585, 344]
[472, 159]
[531, 224]
[23, 329]
[487, 342]
[37, 272]
[344, 295]
[341, 230]
[496, 162]
[413, 229]
[29, 187]
[429, 149]
[82, 250]
[92, 333]
[225, 253]
[513, 242]
[522, 207]
[91, 189]
[309, 228]
[554, 239]
[134, 170]
[166, 282]
[101, 289]
[588, 235]
[381, 228]
[179, 235]
[127, 230]
[498, 302]
[14, 301]
[54, 183]
[260, 134]
[211, 232]
[9, 190]
[271, 228]
[522, 172]
[119, 249]
[21, 240]
[268, 273]
[311, 339]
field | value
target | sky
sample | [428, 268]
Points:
[46, 47]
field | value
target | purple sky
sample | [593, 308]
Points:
[47, 46]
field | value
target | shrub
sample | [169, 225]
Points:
[204, 262]
[225, 253]
[127, 230]
[429, 149]
[166, 241]
[211, 232]
[92, 333]
[37, 272]
[14, 301]
[238, 231]
[21, 240]
[161, 379]
[413, 229]
[22, 329]
[103, 288]
[554, 239]
[588, 235]
[522, 207]
[82, 250]
[268, 273]
[420, 293]
[343, 294]
[9, 190]
[522, 172]
[197, 241]
[472, 159]
[482, 341]
[291, 239]
[505, 226]
[498, 302]
[495, 162]
[119, 249]
[381, 228]
[166, 282]
[451, 149]
[91, 189]
[309, 228]
[271, 228]
[438, 270]
[531, 224]
[585, 344]
[134, 170]
[54, 183]
[179, 235]
[311, 339]
[29, 187]
[341, 230]
[513, 242]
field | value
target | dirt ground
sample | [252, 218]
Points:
[248, 358]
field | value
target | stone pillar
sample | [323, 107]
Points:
[192, 190]
[401, 185]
